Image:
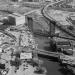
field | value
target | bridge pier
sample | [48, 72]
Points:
[29, 22]
[52, 33]
[52, 28]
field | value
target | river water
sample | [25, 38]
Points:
[53, 67]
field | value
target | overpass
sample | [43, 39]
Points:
[57, 24]
[48, 53]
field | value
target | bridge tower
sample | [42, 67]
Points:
[29, 21]
[52, 28]
[52, 33]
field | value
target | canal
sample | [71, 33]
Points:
[52, 65]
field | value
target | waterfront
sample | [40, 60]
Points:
[52, 66]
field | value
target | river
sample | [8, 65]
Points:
[53, 67]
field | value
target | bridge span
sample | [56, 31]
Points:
[48, 53]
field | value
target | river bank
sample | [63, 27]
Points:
[52, 65]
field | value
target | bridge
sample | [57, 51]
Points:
[47, 53]
[52, 21]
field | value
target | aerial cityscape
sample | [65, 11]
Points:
[37, 37]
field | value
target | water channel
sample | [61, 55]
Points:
[52, 66]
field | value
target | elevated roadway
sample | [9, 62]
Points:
[48, 53]
[57, 24]
[51, 19]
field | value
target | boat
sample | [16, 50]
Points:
[19, 56]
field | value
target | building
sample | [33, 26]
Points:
[19, 19]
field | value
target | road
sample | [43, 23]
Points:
[45, 13]
[53, 67]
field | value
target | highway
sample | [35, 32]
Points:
[48, 53]
[48, 17]
[57, 24]
[45, 11]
